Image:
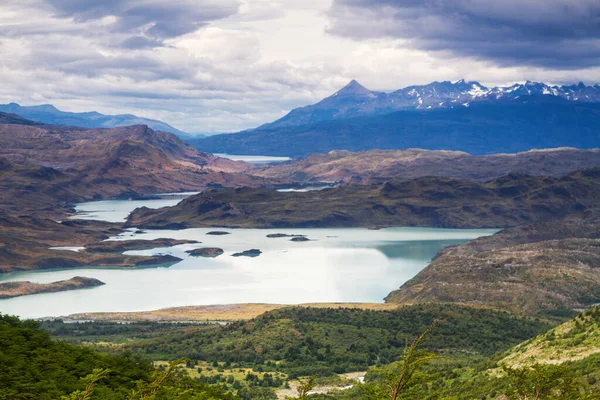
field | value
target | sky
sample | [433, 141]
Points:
[208, 66]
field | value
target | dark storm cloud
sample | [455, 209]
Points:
[152, 20]
[562, 34]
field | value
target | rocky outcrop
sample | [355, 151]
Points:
[549, 268]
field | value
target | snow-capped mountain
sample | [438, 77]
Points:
[354, 100]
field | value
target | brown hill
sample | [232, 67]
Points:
[46, 166]
[547, 268]
[436, 202]
[377, 166]
[63, 147]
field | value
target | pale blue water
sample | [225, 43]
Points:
[338, 265]
[255, 159]
[306, 188]
[118, 210]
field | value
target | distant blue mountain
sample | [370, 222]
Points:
[49, 114]
[462, 115]
[354, 100]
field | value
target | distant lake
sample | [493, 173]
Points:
[337, 265]
[255, 159]
[118, 210]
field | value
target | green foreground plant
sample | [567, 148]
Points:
[396, 377]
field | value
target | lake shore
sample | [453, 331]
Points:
[347, 265]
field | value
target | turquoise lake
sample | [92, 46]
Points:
[337, 265]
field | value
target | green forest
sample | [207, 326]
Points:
[441, 351]
[35, 366]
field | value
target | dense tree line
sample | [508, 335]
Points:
[314, 341]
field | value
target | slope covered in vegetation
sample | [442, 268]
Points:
[34, 366]
[474, 347]
[563, 363]
[304, 341]
[574, 340]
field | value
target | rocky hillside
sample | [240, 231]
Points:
[548, 268]
[378, 166]
[45, 167]
[435, 202]
[70, 147]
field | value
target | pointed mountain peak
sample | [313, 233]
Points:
[353, 88]
[353, 84]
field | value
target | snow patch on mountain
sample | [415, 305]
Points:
[355, 100]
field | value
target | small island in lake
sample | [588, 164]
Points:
[300, 239]
[218, 233]
[282, 235]
[120, 246]
[206, 252]
[248, 253]
[24, 288]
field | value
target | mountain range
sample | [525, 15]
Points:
[465, 116]
[48, 114]
[354, 100]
